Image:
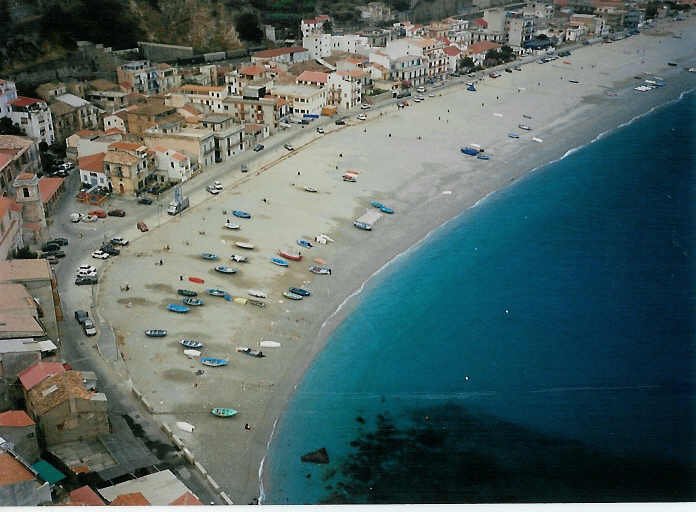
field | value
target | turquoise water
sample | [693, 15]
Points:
[540, 347]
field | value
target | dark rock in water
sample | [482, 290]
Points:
[320, 456]
[360, 419]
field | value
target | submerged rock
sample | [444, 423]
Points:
[320, 456]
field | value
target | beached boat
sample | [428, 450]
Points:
[244, 245]
[178, 308]
[250, 352]
[316, 269]
[224, 269]
[196, 280]
[513, 135]
[209, 256]
[310, 189]
[223, 412]
[304, 243]
[257, 293]
[241, 214]
[239, 258]
[231, 225]
[191, 353]
[526, 116]
[468, 150]
[269, 344]
[279, 261]
[191, 343]
[386, 209]
[192, 301]
[292, 296]
[300, 291]
[256, 302]
[523, 126]
[376, 204]
[537, 139]
[216, 292]
[156, 333]
[483, 156]
[186, 293]
[239, 300]
[214, 361]
[349, 177]
[470, 87]
[290, 256]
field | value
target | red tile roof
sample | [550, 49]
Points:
[94, 163]
[276, 52]
[313, 76]
[452, 51]
[12, 471]
[23, 101]
[251, 70]
[4, 159]
[15, 419]
[7, 204]
[482, 47]
[481, 22]
[38, 372]
[48, 187]
[186, 499]
[133, 499]
[125, 146]
[85, 496]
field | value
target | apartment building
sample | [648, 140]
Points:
[228, 135]
[128, 167]
[17, 155]
[71, 114]
[10, 227]
[302, 99]
[172, 165]
[141, 76]
[34, 117]
[8, 93]
[197, 143]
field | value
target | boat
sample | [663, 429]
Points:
[279, 261]
[468, 150]
[257, 293]
[269, 344]
[386, 209]
[244, 245]
[191, 343]
[231, 225]
[185, 426]
[526, 116]
[573, 81]
[239, 258]
[300, 291]
[537, 139]
[256, 302]
[187, 293]
[223, 412]
[376, 204]
[209, 256]
[156, 333]
[290, 256]
[216, 292]
[241, 214]
[239, 300]
[292, 296]
[349, 177]
[225, 269]
[304, 243]
[214, 361]
[310, 189]
[315, 269]
[178, 308]
[192, 301]
[250, 352]
[192, 354]
[513, 135]
[483, 156]
[523, 126]
[470, 87]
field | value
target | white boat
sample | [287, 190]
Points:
[186, 427]
[311, 189]
[537, 139]
[257, 293]
[231, 225]
[269, 344]
[192, 354]
[244, 245]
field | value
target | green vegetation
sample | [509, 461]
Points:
[248, 29]
[24, 253]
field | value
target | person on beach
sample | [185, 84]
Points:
[161, 262]
[298, 173]
[181, 278]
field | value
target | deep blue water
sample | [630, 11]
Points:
[535, 342]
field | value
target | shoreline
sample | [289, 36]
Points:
[272, 390]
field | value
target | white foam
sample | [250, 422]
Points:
[262, 491]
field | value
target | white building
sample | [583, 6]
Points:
[8, 93]
[175, 165]
[350, 43]
[314, 25]
[302, 99]
[519, 28]
[345, 89]
[318, 44]
[34, 117]
[92, 170]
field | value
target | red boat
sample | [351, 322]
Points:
[290, 256]
[196, 280]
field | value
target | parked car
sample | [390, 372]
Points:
[320, 130]
[81, 316]
[288, 147]
[142, 226]
[100, 255]
[90, 218]
[117, 212]
[86, 269]
[145, 200]
[110, 250]
[212, 190]
[508, 70]
[340, 122]
[88, 327]
[365, 106]
[117, 240]
[258, 147]
[75, 217]
[494, 74]
[101, 214]
[217, 185]
[245, 168]
[362, 117]
[55, 254]
[66, 166]
[86, 280]
[58, 240]
[50, 246]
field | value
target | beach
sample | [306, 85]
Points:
[408, 159]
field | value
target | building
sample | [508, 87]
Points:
[209, 97]
[350, 43]
[34, 117]
[10, 227]
[197, 143]
[90, 142]
[19, 430]
[477, 51]
[70, 114]
[8, 93]
[128, 167]
[228, 135]
[257, 109]
[409, 69]
[35, 374]
[592, 24]
[92, 171]
[28, 197]
[17, 155]
[66, 411]
[162, 488]
[345, 88]
[149, 115]
[172, 165]
[18, 485]
[84, 496]
[302, 99]
[519, 29]
[106, 95]
[314, 25]
[50, 189]
[453, 55]
[289, 56]
[140, 76]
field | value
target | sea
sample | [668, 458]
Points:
[540, 347]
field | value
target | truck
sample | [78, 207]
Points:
[178, 205]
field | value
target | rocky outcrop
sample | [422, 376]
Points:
[320, 456]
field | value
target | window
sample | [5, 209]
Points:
[25, 192]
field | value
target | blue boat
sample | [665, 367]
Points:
[241, 214]
[300, 291]
[471, 87]
[513, 135]
[224, 269]
[386, 209]
[481, 156]
[209, 256]
[214, 361]
[468, 150]
[279, 261]
[304, 243]
[156, 333]
[223, 412]
[216, 292]
[377, 204]
[191, 343]
[178, 308]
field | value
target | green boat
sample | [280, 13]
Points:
[187, 293]
[223, 412]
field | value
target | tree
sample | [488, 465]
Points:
[23, 253]
[8, 128]
[651, 10]
[247, 25]
[467, 64]
[506, 53]
[492, 57]
[401, 5]
[327, 27]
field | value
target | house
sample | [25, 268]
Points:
[477, 51]
[92, 171]
[313, 25]
[34, 117]
[257, 108]
[50, 189]
[10, 227]
[197, 143]
[106, 95]
[27, 195]
[172, 165]
[19, 430]
[290, 55]
[162, 488]
[246, 75]
[18, 485]
[40, 282]
[519, 29]
[302, 99]
[8, 93]
[72, 113]
[84, 496]
[409, 69]
[209, 97]
[593, 24]
[38, 372]
[345, 88]
[66, 411]
[453, 56]
[49, 90]
[128, 167]
[89, 142]
[149, 115]
[228, 135]
[142, 77]
[315, 78]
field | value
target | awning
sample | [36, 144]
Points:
[47, 346]
[47, 472]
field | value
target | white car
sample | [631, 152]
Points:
[117, 240]
[100, 255]
[362, 117]
[217, 185]
[75, 217]
[88, 327]
[320, 130]
[86, 269]
[90, 218]
[86, 274]
[289, 147]
[365, 106]
[417, 100]
[212, 190]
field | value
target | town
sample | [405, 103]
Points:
[156, 123]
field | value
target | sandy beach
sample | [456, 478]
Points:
[409, 159]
